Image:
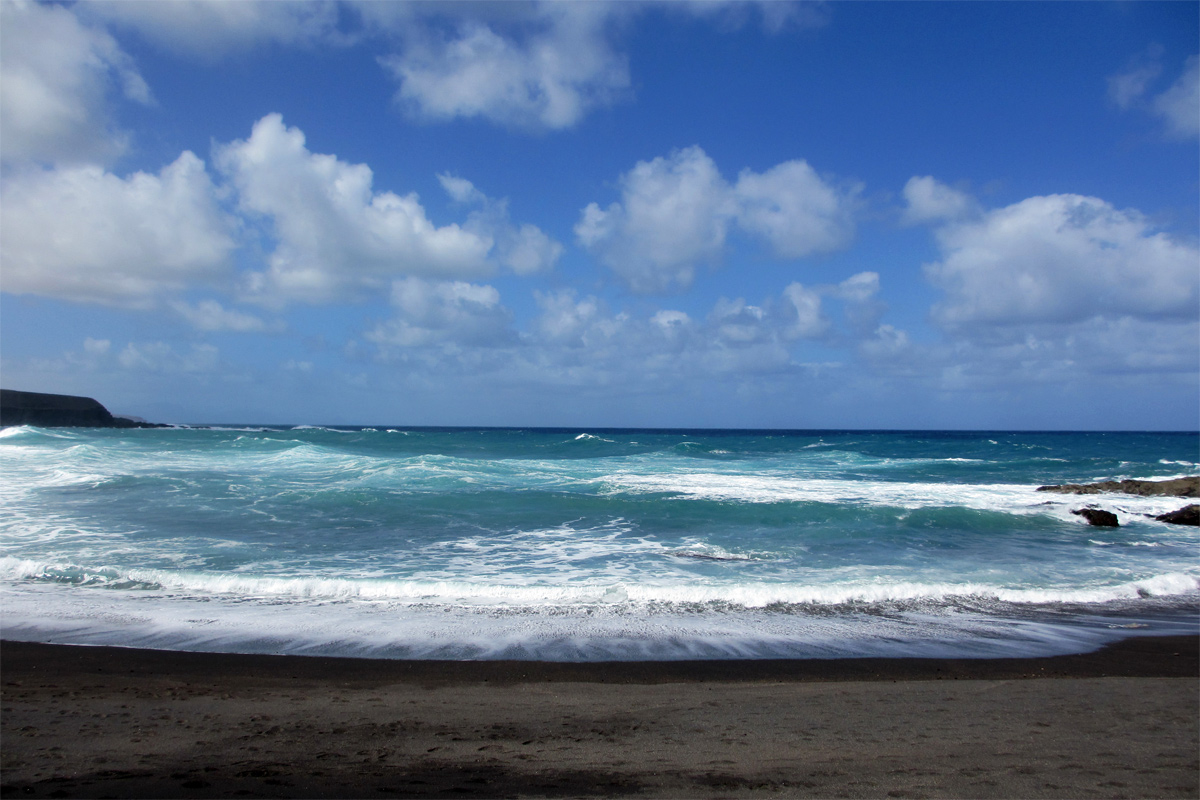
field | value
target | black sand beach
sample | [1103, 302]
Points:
[112, 722]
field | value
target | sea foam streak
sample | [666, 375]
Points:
[531, 595]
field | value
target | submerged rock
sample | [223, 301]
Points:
[1188, 515]
[1098, 517]
[1174, 487]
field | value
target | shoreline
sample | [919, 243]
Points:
[1145, 656]
[92, 721]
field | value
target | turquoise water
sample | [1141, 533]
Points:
[588, 545]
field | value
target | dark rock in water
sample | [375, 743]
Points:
[1188, 515]
[59, 411]
[1098, 517]
[1175, 487]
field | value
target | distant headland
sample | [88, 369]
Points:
[60, 411]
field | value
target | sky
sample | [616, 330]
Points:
[892, 215]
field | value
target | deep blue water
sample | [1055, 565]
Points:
[588, 544]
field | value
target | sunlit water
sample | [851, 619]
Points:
[588, 545]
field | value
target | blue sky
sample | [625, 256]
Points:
[707, 214]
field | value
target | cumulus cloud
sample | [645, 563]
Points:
[675, 213]
[736, 322]
[794, 210]
[336, 234]
[551, 65]
[888, 342]
[87, 235]
[443, 312]
[443, 329]
[564, 320]
[539, 65]
[928, 200]
[1061, 259]
[808, 321]
[524, 249]
[55, 78]
[1178, 106]
[209, 29]
[735, 336]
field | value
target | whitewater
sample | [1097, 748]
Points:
[588, 545]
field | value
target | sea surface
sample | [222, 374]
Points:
[588, 545]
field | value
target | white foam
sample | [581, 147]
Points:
[589, 436]
[24, 431]
[532, 593]
[767, 488]
[43, 612]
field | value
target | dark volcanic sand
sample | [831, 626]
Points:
[112, 722]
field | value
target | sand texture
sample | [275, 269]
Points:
[109, 722]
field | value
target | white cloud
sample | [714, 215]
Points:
[808, 321]
[675, 213]
[525, 250]
[209, 315]
[211, 29]
[861, 304]
[336, 235]
[1179, 106]
[794, 210]
[563, 320]
[858, 288]
[55, 78]
[445, 328]
[554, 66]
[161, 357]
[736, 322]
[443, 312]
[670, 320]
[927, 200]
[535, 65]
[461, 190]
[1061, 259]
[96, 346]
[1127, 89]
[776, 15]
[86, 235]
[888, 342]
[1099, 351]
[578, 342]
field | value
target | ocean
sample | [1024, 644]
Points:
[588, 545]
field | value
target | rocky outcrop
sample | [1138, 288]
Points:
[1174, 487]
[1188, 515]
[59, 411]
[1098, 517]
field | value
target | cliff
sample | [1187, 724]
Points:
[58, 411]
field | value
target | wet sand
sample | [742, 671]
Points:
[112, 722]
